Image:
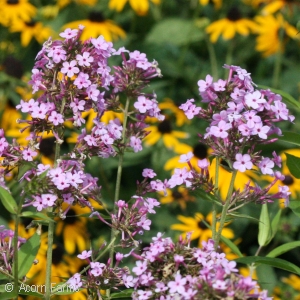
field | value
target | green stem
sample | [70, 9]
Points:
[212, 57]
[51, 223]
[15, 243]
[118, 183]
[214, 208]
[225, 209]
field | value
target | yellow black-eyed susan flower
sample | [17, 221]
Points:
[16, 10]
[231, 25]
[31, 30]
[273, 33]
[96, 25]
[197, 227]
[163, 131]
[141, 7]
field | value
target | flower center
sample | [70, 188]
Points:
[200, 151]
[12, 2]
[201, 225]
[96, 16]
[234, 14]
[288, 180]
[47, 146]
[30, 23]
[71, 217]
[165, 127]
[58, 254]
[177, 195]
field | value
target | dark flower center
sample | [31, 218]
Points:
[96, 16]
[47, 146]
[177, 195]
[31, 23]
[165, 127]
[234, 14]
[200, 151]
[13, 67]
[12, 2]
[71, 217]
[58, 254]
[201, 225]
[288, 180]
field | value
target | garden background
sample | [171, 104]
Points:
[189, 39]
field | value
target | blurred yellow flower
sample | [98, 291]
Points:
[96, 25]
[15, 10]
[30, 30]
[269, 30]
[179, 196]
[165, 132]
[63, 3]
[229, 26]
[197, 227]
[141, 7]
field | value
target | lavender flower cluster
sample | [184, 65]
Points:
[168, 271]
[7, 249]
[240, 118]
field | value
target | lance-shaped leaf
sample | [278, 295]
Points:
[27, 254]
[271, 261]
[293, 163]
[8, 201]
[264, 227]
[283, 248]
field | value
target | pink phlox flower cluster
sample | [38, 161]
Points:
[67, 181]
[163, 270]
[190, 109]
[132, 219]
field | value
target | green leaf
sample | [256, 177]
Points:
[287, 98]
[8, 201]
[33, 214]
[177, 31]
[283, 248]
[124, 294]
[275, 223]
[271, 261]
[290, 137]
[294, 205]
[27, 254]
[293, 163]
[232, 246]
[264, 226]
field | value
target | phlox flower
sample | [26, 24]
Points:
[136, 144]
[220, 130]
[140, 268]
[177, 286]
[85, 254]
[186, 157]
[85, 59]
[69, 33]
[149, 173]
[48, 199]
[56, 118]
[266, 165]
[28, 154]
[69, 68]
[243, 162]
[143, 104]
[82, 80]
[254, 99]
